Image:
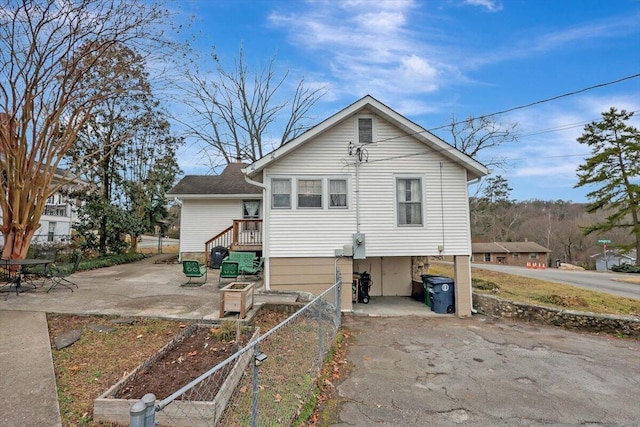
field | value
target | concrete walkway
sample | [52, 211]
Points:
[28, 394]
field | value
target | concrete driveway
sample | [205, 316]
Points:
[414, 371]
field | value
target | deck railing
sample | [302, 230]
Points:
[243, 232]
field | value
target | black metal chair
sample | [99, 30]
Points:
[58, 276]
[8, 279]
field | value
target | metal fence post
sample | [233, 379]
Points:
[254, 407]
[149, 400]
[338, 303]
[320, 343]
[137, 414]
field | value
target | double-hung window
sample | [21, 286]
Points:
[310, 193]
[280, 193]
[409, 199]
[337, 193]
[365, 130]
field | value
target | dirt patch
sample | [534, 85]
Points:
[196, 353]
[192, 356]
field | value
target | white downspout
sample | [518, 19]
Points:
[265, 231]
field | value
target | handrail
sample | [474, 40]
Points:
[219, 235]
[242, 232]
[224, 238]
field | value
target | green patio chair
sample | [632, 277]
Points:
[193, 269]
[253, 270]
[229, 270]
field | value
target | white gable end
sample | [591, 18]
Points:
[372, 196]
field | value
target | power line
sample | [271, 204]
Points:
[553, 98]
[520, 107]
[562, 127]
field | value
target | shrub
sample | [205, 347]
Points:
[485, 285]
[626, 268]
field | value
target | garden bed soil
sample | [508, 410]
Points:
[193, 352]
[194, 355]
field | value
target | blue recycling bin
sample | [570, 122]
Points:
[440, 291]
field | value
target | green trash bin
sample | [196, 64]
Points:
[439, 291]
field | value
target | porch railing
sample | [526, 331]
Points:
[56, 210]
[243, 232]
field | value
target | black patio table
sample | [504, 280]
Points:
[16, 282]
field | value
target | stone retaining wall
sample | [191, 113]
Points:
[593, 322]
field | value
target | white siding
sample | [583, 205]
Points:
[317, 233]
[204, 218]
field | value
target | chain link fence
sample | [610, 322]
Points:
[264, 384]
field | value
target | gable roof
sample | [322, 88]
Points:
[508, 247]
[229, 182]
[474, 168]
[615, 253]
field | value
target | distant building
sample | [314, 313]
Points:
[60, 212]
[613, 257]
[510, 253]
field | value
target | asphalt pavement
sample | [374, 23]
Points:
[445, 371]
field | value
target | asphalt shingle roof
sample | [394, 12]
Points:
[230, 181]
[507, 247]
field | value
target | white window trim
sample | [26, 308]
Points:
[422, 203]
[323, 192]
[324, 179]
[291, 192]
[337, 178]
[374, 127]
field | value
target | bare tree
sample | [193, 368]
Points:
[47, 48]
[475, 135]
[235, 112]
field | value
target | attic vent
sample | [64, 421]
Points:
[365, 130]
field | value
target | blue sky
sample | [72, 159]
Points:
[431, 60]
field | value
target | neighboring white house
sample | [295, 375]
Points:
[613, 257]
[57, 220]
[212, 204]
[367, 189]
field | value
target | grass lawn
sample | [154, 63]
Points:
[541, 292]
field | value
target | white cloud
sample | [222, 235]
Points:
[367, 45]
[545, 159]
[491, 5]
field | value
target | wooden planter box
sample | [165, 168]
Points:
[179, 413]
[236, 297]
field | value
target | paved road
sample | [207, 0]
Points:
[594, 280]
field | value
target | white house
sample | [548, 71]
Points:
[213, 206]
[366, 189]
[58, 217]
[613, 258]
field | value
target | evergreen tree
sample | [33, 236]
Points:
[613, 169]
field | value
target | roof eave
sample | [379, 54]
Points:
[475, 169]
[214, 196]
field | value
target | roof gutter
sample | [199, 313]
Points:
[256, 183]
